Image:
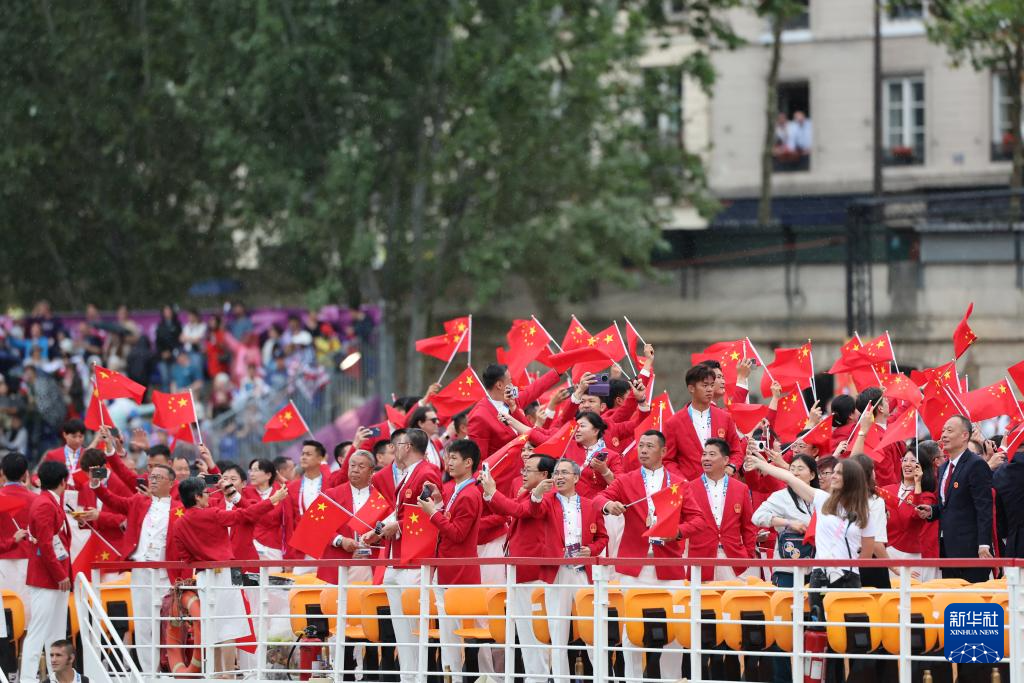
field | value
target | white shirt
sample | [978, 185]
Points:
[71, 458]
[653, 482]
[946, 474]
[500, 406]
[876, 510]
[837, 539]
[701, 423]
[432, 455]
[309, 491]
[593, 450]
[153, 535]
[572, 522]
[359, 497]
[716, 497]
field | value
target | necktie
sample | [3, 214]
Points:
[949, 480]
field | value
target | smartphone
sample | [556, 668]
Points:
[98, 472]
[115, 433]
[140, 482]
[513, 391]
[379, 529]
[211, 479]
[374, 432]
[425, 493]
[602, 456]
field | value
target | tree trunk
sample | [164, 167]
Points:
[764, 207]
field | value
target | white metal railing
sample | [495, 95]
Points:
[105, 657]
[678, 625]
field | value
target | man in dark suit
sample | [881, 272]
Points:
[964, 508]
[1008, 481]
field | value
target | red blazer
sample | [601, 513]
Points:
[269, 528]
[458, 533]
[240, 533]
[683, 449]
[407, 492]
[201, 535]
[737, 535]
[528, 535]
[23, 549]
[483, 426]
[907, 531]
[290, 515]
[135, 507]
[594, 536]
[126, 475]
[621, 424]
[48, 521]
[57, 455]
[629, 488]
[843, 433]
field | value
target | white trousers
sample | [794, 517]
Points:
[408, 654]
[146, 601]
[48, 625]
[12, 578]
[492, 574]
[915, 572]
[535, 660]
[672, 654]
[614, 525]
[451, 645]
[558, 601]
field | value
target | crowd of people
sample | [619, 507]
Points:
[739, 496]
[227, 359]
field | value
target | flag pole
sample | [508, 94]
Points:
[629, 356]
[1010, 386]
[810, 353]
[199, 432]
[469, 345]
[759, 360]
[635, 331]
[550, 338]
[452, 357]
[304, 424]
[894, 362]
[92, 367]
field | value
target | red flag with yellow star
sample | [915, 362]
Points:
[526, 339]
[899, 387]
[791, 367]
[902, 429]
[991, 401]
[820, 435]
[115, 385]
[96, 549]
[461, 393]
[373, 510]
[576, 336]
[96, 414]
[610, 341]
[661, 410]
[285, 425]
[444, 346]
[963, 335]
[666, 511]
[419, 536]
[560, 362]
[504, 463]
[170, 411]
[747, 416]
[557, 444]
[729, 354]
[318, 526]
[936, 409]
[791, 416]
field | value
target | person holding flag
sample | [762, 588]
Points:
[352, 496]
[301, 494]
[655, 505]
[689, 429]
[503, 397]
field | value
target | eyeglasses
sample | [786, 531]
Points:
[824, 473]
[527, 470]
[435, 420]
[563, 474]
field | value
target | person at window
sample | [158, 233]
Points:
[800, 134]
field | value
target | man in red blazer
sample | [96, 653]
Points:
[14, 561]
[148, 537]
[725, 527]
[528, 536]
[49, 569]
[484, 427]
[410, 455]
[73, 433]
[580, 531]
[458, 523]
[301, 493]
[631, 489]
[688, 430]
[352, 495]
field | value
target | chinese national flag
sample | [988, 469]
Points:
[526, 339]
[666, 509]
[396, 418]
[520, 379]
[936, 410]
[576, 336]
[661, 410]
[963, 335]
[170, 411]
[94, 550]
[96, 414]
[820, 435]
[852, 356]
[454, 340]
[633, 344]
[904, 428]
[899, 387]
[791, 368]
[373, 510]
[1016, 373]
[419, 536]
[557, 444]
[728, 354]
[560, 362]
[461, 393]
[1012, 441]
[115, 385]
[879, 349]
[183, 434]
[318, 527]
[934, 379]
[505, 462]
[791, 416]
[747, 416]
[991, 401]
[610, 341]
[285, 425]
[457, 326]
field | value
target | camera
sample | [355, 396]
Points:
[98, 472]
[374, 432]
[211, 479]
[513, 391]
[761, 444]
[600, 387]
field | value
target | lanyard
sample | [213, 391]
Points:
[396, 473]
[596, 448]
[455, 494]
[667, 481]
[725, 491]
[565, 514]
[70, 458]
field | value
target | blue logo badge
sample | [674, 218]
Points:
[974, 633]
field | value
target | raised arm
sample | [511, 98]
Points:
[801, 488]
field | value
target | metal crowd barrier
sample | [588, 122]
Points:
[716, 630]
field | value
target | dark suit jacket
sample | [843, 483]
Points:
[965, 518]
[1008, 481]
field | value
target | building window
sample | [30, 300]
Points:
[903, 10]
[794, 134]
[674, 10]
[800, 21]
[664, 111]
[903, 131]
[1002, 133]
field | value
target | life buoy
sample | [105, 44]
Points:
[184, 609]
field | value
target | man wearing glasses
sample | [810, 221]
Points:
[151, 518]
[689, 429]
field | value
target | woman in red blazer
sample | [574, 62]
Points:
[268, 531]
[908, 533]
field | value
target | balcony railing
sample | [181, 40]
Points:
[791, 163]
